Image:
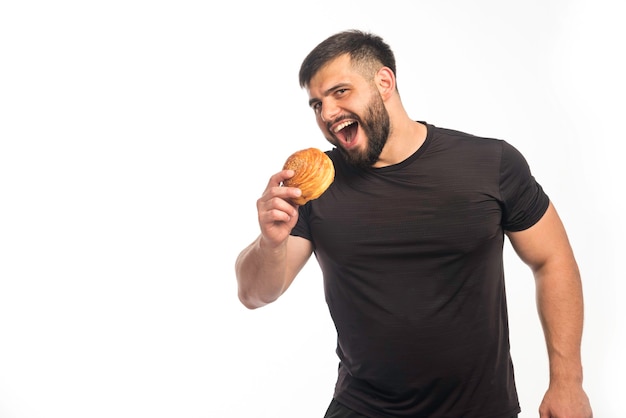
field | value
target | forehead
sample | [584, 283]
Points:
[335, 72]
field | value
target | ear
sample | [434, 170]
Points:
[386, 82]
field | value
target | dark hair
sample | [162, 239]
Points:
[366, 50]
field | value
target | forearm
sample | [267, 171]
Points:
[560, 307]
[260, 271]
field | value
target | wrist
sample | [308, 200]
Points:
[567, 376]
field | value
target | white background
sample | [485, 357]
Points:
[137, 135]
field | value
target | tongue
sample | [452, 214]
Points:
[349, 132]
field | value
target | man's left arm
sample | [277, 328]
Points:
[545, 248]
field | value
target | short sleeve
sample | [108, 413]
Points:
[524, 200]
[302, 228]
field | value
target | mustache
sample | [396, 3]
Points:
[343, 117]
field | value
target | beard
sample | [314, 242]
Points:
[376, 126]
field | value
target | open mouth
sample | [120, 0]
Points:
[346, 131]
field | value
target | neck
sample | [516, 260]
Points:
[405, 138]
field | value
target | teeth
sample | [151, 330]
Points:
[343, 125]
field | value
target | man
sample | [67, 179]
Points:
[409, 239]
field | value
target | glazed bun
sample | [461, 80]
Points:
[314, 172]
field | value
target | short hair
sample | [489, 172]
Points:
[367, 51]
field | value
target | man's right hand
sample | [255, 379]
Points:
[277, 215]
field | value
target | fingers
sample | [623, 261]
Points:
[275, 210]
[278, 178]
[275, 188]
[277, 215]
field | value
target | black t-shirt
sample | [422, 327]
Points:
[411, 256]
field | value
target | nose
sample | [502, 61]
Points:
[329, 111]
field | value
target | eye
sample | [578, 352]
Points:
[317, 107]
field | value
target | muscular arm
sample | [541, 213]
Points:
[267, 267]
[546, 249]
[264, 272]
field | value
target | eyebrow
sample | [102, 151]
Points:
[328, 91]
